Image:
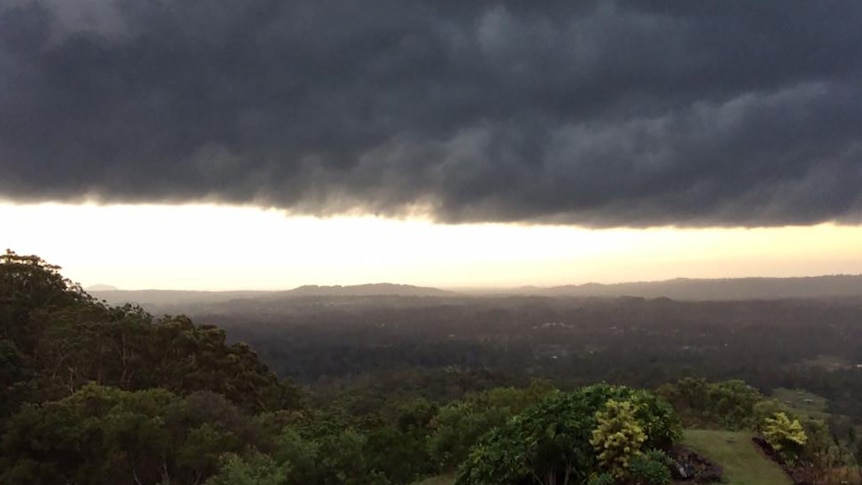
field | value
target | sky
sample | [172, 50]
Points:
[218, 144]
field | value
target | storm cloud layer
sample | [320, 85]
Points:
[626, 113]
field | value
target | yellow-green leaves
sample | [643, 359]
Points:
[784, 434]
[618, 436]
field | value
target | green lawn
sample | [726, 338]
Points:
[734, 451]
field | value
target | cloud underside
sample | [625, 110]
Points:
[626, 113]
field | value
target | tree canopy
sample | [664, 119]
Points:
[94, 394]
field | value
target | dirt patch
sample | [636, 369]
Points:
[689, 466]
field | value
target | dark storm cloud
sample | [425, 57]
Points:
[598, 113]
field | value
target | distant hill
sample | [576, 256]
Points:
[159, 299]
[839, 286]
[373, 289]
[93, 288]
[172, 297]
[715, 289]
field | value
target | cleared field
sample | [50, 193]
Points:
[802, 402]
[734, 451]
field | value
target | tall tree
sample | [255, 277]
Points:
[29, 285]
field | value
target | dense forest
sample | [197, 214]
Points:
[343, 389]
[811, 344]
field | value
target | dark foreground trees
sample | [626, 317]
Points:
[56, 339]
[106, 435]
[93, 394]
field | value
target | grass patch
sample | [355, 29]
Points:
[802, 402]
[828, 363]
[734, 451]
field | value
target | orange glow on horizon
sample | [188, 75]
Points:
[219, 247]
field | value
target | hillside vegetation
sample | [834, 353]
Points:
[394, 390]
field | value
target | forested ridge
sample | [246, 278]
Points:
[390, 391]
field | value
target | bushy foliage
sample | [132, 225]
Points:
[15, 373]
[658, 419]
[602, 479]
[106, 435]
[650, 468]
[857, 454]
[725, 405]
[254, 468]
[325, 453]
[93, 394]
[617, 437]
[69, 339]
[458, 425]
[31, 289]
[766, 409]
[785, 435]
[401, 455]
[551, 441]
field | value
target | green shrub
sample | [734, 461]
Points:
[650, 469]
[785, 435]
[603, 479]
[618, 437]
[571, 436]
